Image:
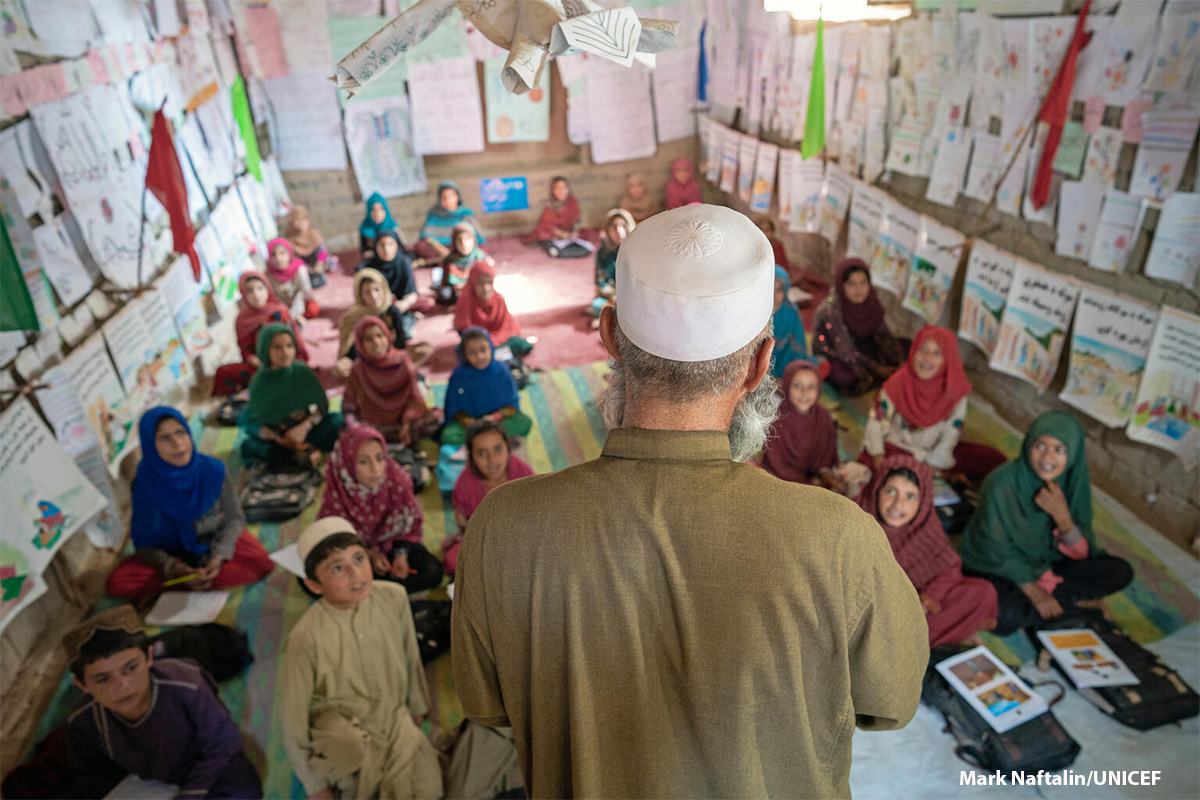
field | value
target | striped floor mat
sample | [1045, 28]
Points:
[568, 430]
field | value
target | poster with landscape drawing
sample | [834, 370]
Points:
[1165, 412]
[899, 231]
[989, 274]
[934, 267]
[1109, 345]
[1033, 328]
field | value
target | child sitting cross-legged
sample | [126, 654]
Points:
[289, 278]
[354, 687]
[259, 307]
[159, 720]
[481, 388]
[490, 463]
[481, 306]
[464, 253]
[383, 390]
[365, 486]
[617, 225]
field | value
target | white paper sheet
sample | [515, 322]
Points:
[674, 79]
[1109, 345]
[310, 130]
[629, 135]
[379, 137]
[935, 263]
[1116, 231]
[1078, 215]
[747, 157]
[289, 558]
[835, 200]
[447, 115]
[1033, 329]
[513, 117]
[807, 180]
[1129, 47]
[989, 275]
[181, 292]
[949, 171]
[866, 215]
[984, 169]
[68, 275]
[764, 177]
[1175, 252]
[1103, 154]
[1164, 412]
[186, 608]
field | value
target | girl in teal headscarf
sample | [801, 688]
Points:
[378, 220]
[288, 415]
[1032, 534]
[790, 341]
[440, 221]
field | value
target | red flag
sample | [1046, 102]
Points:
[164, 179]
[1055, 108]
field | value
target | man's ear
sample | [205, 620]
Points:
[607, 320]
[313, 586]
[760, 365]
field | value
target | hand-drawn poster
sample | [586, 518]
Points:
[1168, 131]
[934, 267]
[674, 79]
[1116, 231]
[309, 129]
[730, 144]
[1033, 329]
[630, 134]
[989, 275]
[102, 189]
[104, 401]
[171, 366]
[60, 262]
[447, 115]
[764, 177]
[1109, 345]
[1166, 412]
[134, 356]
[1176, 50]
[514, 117]
[1127, 55]
[866, 217]
[46, 499]
[949, 170]
[984, 169]
[1175, 252]
[1078, 214]
[835, 201]
[747, 154]
[379, 137]
[182, 294]
[807, 179]
[1103, 153]
[898, 232]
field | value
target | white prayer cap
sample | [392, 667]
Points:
[318, 532]
[695, 283]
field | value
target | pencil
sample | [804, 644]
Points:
[184, 579]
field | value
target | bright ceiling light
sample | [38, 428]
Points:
[839, 10]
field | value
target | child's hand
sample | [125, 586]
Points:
[326, 793]
[1047, 607]
[1050, 498]
[930, 605]
[379, 563]
[255, 361]
[400, 567]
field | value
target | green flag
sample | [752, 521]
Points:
[16, 306]
[814, 120]
[241, 112]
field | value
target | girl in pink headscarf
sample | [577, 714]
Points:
[289, 277]
[683, 190]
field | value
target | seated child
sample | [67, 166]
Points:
[187, 520]
[491, 463]
[481, 388]
[382, 389]
[900, 497]
[160, 720]
[354, 687]
[617, 224]
[373, 298]
[396, 267]
[803, 446]
[289, 278]
[366, 487]
[852, 333]
[456, 266]
[921, 408]
[440, 220]
[767, 226]
[637, 200]
[557, 230]
[259, 306]
[791, 342]
[683, 190]
[377, 220]
[1032, 534]
[481, 306]
[288, 416]
[307, 243]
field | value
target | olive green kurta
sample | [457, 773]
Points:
[665, 622]
[362, 662]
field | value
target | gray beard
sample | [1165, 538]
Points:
[748, 429]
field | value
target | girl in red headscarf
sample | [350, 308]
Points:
[900, 497]
[289, 276]
[259, 307]
[560, 216]
[382, 388]
[921, 408]
[852, 334]
[683, 190]
[481, 306]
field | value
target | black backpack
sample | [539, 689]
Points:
[221, 650]
[432, 620]
[414, 461]
[230, 411]
[280, 493]
[1161, 697]
[1038, 744]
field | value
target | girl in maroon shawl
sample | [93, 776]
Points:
[683, 190]
[259, 307]
[852, 334]
[365, 486]
[803, 443]
[560, 217]
[382, 388]
[289, 276]
[900, 497]
[490, 464]
[481, 306]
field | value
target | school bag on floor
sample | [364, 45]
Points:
[223, 651]
[230, 411]
[280, 493]
[432, 621]
[415, 462]
[1040, 743]
[1161, 696]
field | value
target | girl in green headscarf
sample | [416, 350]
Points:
[1032, 535]
[288, 415]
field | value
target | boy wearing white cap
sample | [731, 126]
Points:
[353, 683]
[665, 621]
